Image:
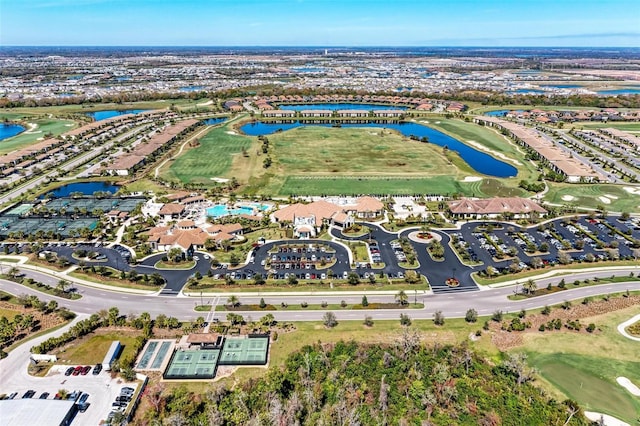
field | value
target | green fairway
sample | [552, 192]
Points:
[495, 143]
[342, 161]
[43, 126]
[297, 185]
[631, 127]
[213, 158]
[589, 196]
[592, 382]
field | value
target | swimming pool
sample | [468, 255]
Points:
[220, 210]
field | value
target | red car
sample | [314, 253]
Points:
[77, 370]
[85, 370]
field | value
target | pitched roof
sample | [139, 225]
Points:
[497, 205]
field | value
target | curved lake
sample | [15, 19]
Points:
[86, 188]
[630, 91]
[9, 130]
[479, 161]
[103, 115]
[211, 121]
[336, 106]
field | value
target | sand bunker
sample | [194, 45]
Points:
[628, 385]
[613, 197]
[604, 200]
[632, 190]
[471, 179]
[206, 103]
[568, 198]
[493, 153]
[231, 132]
[608, 420]
[219, 180]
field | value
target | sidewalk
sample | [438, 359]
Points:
[63, 275]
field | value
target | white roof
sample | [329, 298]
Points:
[41, 412]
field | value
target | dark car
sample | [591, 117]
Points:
[83, 398]
[69, 371]
[85, 370]
[97, 369]
[28, 394]
[83, 407]
[44, 395]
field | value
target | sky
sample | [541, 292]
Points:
[581, 23]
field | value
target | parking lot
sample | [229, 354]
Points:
[96, 392]
[581, 239]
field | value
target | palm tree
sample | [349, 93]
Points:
[402, 298]
[529, 287]
[233, 301]
[62, 286]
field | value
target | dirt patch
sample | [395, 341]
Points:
[504, 339]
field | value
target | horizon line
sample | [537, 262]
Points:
[322, 46]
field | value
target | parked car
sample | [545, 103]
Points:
[69, 371]
[85, 370]
[44, 395]
[77, 370]
[28, 394]
[97, 369]
[83, 398]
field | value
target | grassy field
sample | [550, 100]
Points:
[490, 139]
[631, 127]
[584, 367]
[92, 349]
[84, 108]
[331, 161]
[44, 126]
[588, 196]
[8, 313]
[213, 158]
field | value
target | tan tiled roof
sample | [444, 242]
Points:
[497, 205]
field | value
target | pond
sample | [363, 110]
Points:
[103, 115]
[86, 188]
[628, 91]
[212, 121]
[9, 130]
[479, 161]
[338, 106]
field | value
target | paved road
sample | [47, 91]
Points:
[452, 305]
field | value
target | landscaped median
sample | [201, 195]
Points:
[558, 270]
[309, 307]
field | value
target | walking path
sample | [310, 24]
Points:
[622, 328]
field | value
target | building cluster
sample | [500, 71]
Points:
[545, 117]
[545, 150]
[497, 207]
[143, 152]
[70, 76]
[308, 219]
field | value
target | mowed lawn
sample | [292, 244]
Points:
[91, 349]
[589, 195]
[592, 382]
[332, 161]
[44, 126]
[349, 151]
[584, 366]
[213, 158]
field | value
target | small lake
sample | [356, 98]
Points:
[191, 88]
[211, 121]
[308, 69]
[336, 107]
[86, 188]
[479, 161]
[562, 86]
[630, 91]
[526, 92]
[103, 115]
[500, 112]
[9, 130]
